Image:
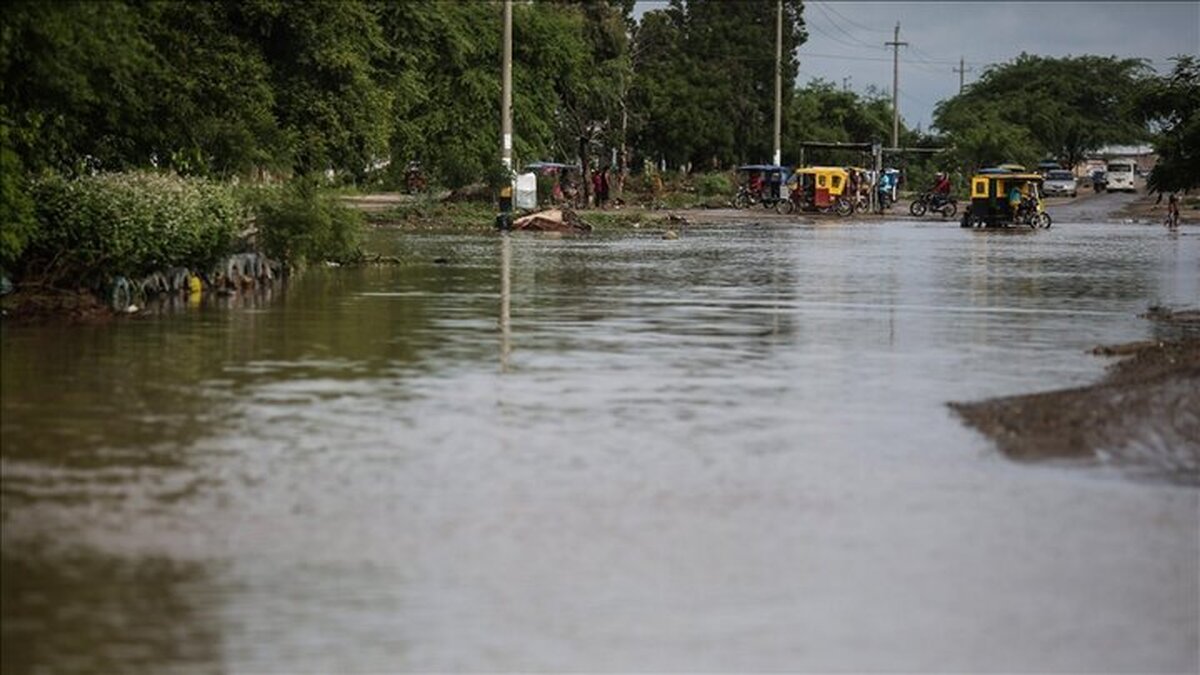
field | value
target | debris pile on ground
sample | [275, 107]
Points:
[552, 220]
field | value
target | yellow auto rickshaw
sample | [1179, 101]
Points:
[822, 189]
[1003, 198]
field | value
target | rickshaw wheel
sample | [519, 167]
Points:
[844, 208]
[1045, 221]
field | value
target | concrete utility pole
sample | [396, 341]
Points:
[506, 91]
[961, 69]
[896, 44]
[778, 79]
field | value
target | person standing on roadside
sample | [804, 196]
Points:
[1172, 211]
[597, 196]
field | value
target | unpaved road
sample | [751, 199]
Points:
[1090, 207]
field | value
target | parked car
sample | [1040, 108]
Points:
[1060, 183]
[1046, 166]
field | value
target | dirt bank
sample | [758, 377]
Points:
[1143, 417]
[28, 305]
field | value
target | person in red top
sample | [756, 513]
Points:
[941, 189]
[756, 185]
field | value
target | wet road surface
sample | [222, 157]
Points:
[728, 452]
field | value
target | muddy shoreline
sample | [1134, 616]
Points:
[1142, 418]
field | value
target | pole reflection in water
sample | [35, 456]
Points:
[505, 299]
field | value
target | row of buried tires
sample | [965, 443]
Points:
[243, 271]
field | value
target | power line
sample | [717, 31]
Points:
[848, 20]
[882, 59]
[843, 30]
[837, 39]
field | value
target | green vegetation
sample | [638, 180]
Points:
[702, 90]
[17, 222]
[1039, 106]
[95, 227]
[714, 184]
[1172, 105]
[299, 224]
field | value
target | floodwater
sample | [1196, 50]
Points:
[727, 452]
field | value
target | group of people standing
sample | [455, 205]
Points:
[564, 191]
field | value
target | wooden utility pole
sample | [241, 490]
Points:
[778, 79]
[961, 70]
[506, 139]
[896, 44]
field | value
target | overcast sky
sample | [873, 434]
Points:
[845, 40]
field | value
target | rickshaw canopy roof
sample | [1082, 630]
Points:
[1009, 175]
[766, 168]
[823, 169]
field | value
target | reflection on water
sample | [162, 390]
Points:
[83, 611]
[729, 451]
[505, 300]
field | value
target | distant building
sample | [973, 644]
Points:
[1142, 155]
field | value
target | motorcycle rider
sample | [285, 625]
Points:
[940, 190]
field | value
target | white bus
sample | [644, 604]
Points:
[1120, 175]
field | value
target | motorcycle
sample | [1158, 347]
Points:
[945, 205]
[1032, 213]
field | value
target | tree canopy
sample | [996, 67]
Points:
[364, 87]
[704, 78]
[1172, 106]
[1058, 107]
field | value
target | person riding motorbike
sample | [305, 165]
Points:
[757, 185]
[940, 190]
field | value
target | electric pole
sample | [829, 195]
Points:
[506, 140]
[896, 44]
[504, 219]
[778, 79]
[961, 69]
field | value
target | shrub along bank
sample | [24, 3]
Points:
[89, 232]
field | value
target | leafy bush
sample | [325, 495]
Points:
[713, 184]
[299, 223]
[129, 224]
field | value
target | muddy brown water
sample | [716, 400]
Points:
[729, 451]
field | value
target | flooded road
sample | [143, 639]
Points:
[727, 452]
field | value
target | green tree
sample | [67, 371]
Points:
[17, 223]
[822, 112]
[327, 96]
[77, 79]
[1069, 106]
[706, 76]
[1171, 104]
[215, 107]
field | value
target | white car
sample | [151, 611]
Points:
[1060, 183]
